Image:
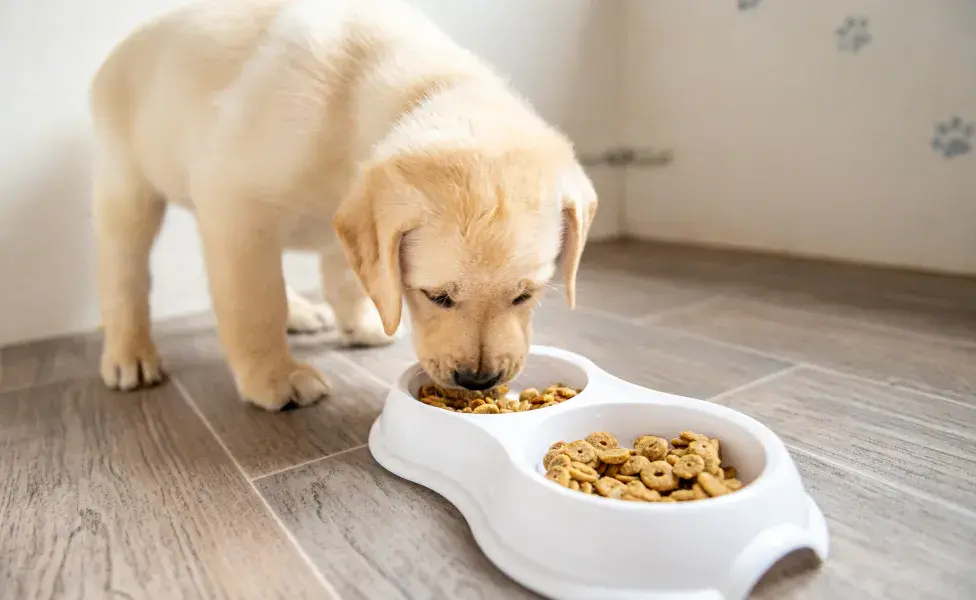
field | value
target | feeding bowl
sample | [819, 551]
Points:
[567, 545]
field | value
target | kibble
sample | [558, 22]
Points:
[493, 401]
[687, 469]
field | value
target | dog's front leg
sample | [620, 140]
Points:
[243, 255]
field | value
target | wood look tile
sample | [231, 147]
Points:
[669, 262]
[182, 343]
[628, 296]
[953, 323]
[655, 358]
[388, 362]
[58, 359]
[264, 442]
[748, 270]
[865, 282]
[839, 343]
[44, 361]
[898, 435]
[885, 545]
[104, 495]
[374, 535]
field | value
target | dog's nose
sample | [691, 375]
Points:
[473, 380]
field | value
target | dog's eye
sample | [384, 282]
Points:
[525, 297]
[440, 299]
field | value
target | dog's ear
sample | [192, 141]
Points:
[370, 223]
[579, 203]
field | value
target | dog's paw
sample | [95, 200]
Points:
[131, 367]
[295, 384]
[367, 331]
[360, 338]
[306, 317]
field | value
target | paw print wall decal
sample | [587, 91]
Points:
[853, 34]
[748, 4]
[953, 138]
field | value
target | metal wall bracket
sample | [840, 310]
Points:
[625, 157]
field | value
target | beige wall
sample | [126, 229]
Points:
[783, 140]
[559, 53]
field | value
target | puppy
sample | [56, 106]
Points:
[354, 129]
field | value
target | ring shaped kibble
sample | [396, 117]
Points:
[560, 460]
[634, 465]
[659, 476]
[689, 466]
[708, 450]
[691, 436]
[688, 470]
[606, 485]
[580, 451]
[601, 440]
[614, 456]
[554, 451]
[651, 447]
[560, 475]
[582, 472]
[702, 448]
[637, 490]
[683, 495]
[712, 485]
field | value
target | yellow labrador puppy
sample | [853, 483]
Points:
[351, 128]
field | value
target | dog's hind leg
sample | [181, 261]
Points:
[356, 317]
[305, 316]
[127, 216]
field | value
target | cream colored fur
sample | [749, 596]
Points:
[281, 124]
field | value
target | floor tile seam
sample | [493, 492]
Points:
[320, 577]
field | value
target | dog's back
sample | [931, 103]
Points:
[153, 95]
[277, 85]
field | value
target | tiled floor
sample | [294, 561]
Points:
[183, 492]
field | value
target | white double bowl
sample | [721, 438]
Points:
[571, 546]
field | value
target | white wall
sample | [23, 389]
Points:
[784, 141]
[557, 52]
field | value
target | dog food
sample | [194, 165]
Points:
[686, 469]
[493, 401]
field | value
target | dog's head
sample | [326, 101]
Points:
[470, 242]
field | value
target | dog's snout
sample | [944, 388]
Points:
[476, 380]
